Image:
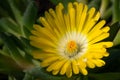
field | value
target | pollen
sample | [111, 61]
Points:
[71, 48]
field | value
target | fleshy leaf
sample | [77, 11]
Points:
[15, 52]
[30, 15]
[40, 73]
[117, 39]
[8, 25]
[64, 2]
[94, 3]
[16, 12]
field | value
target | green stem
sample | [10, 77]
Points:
[107, 14]
[116, 11]
[104, 5]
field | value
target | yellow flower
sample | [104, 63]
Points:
[70, 41]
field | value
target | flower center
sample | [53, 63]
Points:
[71, 48]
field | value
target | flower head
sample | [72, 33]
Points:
[70, 41]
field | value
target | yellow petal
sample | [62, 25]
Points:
[71, 11]
[97, 16]
[97, 26]
[45, 23]
[59, 64]
[105, 29]
[90, 64]
[82, 19]
[75, 67]
[83, 71]
[79, 8]
[43, 32]
[69, 71]
[56, 65]
[97, 55]
[55, 72]
[49, 19]
[106, 54]
[99, 63]
[94, 35]
[67, 21]
[91, 13]
[64, 68]
[102, 45]
[107, 44]
[41, 43]
[97, 50]
[42, 55]
[90, 24]
[99, 38]
[49, 60]
[60, 17]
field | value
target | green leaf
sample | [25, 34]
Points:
[15, 53]
[104, 76]
[16, 12]
[8, 25]
[8, 65]
[117, 39]
[26, 43]
[113, 31]
[30, 16]
[26, 31]
[5, 9]
[65, 2]
[1, 42]
[4, 51]
[11, 78]
[23, 44]
[95, 3]
[41, 74]
[28, 77]
[3, 12]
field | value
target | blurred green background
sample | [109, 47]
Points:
[16, 20]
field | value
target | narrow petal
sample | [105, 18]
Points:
[98, 26]
[42, 55]
[99, 63]
[69, 71]
[64, 68]
[71, 12]
[82, 19]
[79, 8]
[55, 72]
[99, 38]
[49, 60]
[90, 64]
[91, 13]
[75, 67]
[59, 64]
